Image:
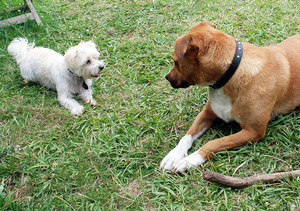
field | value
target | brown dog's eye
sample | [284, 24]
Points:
[176, 63]
[88, 61]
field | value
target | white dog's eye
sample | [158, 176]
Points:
[88, 61]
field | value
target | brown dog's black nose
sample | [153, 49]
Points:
[167, 76]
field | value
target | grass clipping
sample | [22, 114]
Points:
[237, 182]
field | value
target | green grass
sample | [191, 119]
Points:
[108, 158]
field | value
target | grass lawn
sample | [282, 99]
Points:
[108, 158]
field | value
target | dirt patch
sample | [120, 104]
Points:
[134, 188]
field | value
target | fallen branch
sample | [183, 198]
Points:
[237, 182]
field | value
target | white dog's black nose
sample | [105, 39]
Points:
[101, 67]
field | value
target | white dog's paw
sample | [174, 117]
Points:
[192, 161]
[172, 159]
[78, 110]
[89, 99]
[86, 99]
[93, 102]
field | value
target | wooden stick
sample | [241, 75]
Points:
[237, 182]
[17, 19]
[33, 12]
[240, 166]
[22, 18]
[12, 9]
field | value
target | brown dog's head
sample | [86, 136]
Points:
[201, 56]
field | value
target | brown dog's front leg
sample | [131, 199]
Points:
[228, 142]
[202, 122]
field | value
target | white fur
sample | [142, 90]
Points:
[65, 74]
[221, 105]
[174, 157]
[177, 158]
[191, 161]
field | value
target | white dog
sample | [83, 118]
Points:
[70, 75]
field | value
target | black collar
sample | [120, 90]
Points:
[232, 68]
[71, 71]
[84, 85]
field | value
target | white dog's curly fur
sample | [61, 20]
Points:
[70, 75]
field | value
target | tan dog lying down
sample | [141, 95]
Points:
[248, 84]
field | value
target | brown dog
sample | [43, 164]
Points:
[248, 84]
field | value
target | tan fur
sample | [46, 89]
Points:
[267, 82]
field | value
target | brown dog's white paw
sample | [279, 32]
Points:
[172, 159]
[192, 161]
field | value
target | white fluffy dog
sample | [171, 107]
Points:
[70, 75]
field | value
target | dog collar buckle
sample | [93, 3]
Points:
[70, 71]
[232, 68]
[85, 86]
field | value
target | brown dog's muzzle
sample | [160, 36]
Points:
[175, 84]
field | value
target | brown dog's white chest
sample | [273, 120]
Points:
[221, 105]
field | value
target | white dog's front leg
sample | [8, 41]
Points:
[87, 97]
[71, 104]
[86, 94]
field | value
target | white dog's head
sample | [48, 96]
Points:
[82, 60]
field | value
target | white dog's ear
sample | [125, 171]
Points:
[89, 43]
[70, 57]
[76, 53]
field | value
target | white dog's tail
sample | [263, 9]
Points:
[19, 48]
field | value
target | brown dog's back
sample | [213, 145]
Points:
[291, 49]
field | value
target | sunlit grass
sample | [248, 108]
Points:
[108, 158]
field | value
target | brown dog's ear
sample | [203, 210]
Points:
[185, 48]
[181, 45]
[192, 51]
[202, 23]
[211, 24]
